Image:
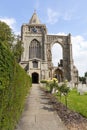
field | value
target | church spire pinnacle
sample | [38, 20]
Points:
[34, 19]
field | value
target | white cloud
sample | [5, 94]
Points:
[11, 22]
[67, 16]
[61, 33]
[79, 50]
[79, 45]
[53, 16]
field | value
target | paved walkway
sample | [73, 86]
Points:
[39, 114]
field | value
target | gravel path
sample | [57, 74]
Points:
[39, 113]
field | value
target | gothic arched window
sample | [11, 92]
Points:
[34, 49]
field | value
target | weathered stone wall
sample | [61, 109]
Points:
[36, 31]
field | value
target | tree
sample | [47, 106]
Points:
[6, 35]
[85, 74]
[9, 39]
[18, 49]
[64, 89]
[82, 79]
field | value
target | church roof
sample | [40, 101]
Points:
[34, 19]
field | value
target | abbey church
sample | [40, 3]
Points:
[37, 56]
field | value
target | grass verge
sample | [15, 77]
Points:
[76, 102]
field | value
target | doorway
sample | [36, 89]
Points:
[35, 78]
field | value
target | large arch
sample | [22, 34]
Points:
[65, 42]
[35, 78]
[57, 41]
[57, 54]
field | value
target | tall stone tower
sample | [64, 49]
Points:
[37, 57]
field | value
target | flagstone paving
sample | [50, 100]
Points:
[38, 113]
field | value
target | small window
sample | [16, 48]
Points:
[35, 64]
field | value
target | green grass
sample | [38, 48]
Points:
[76, 102]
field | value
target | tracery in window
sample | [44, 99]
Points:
[34, 49]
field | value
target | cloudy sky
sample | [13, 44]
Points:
[60, 17]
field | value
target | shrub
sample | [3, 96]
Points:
[14, 86]
[64, 89]
[52, 84]
[43, 81]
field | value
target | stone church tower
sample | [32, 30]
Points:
[37, 57]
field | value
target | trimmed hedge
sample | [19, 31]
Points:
[14, 87]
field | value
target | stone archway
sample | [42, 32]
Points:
[57, 54]
[65, 42]
[35, 78]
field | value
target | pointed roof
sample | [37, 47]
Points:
[34, 19]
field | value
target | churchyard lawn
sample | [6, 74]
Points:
[76, 102]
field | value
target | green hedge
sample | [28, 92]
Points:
[14, 86]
